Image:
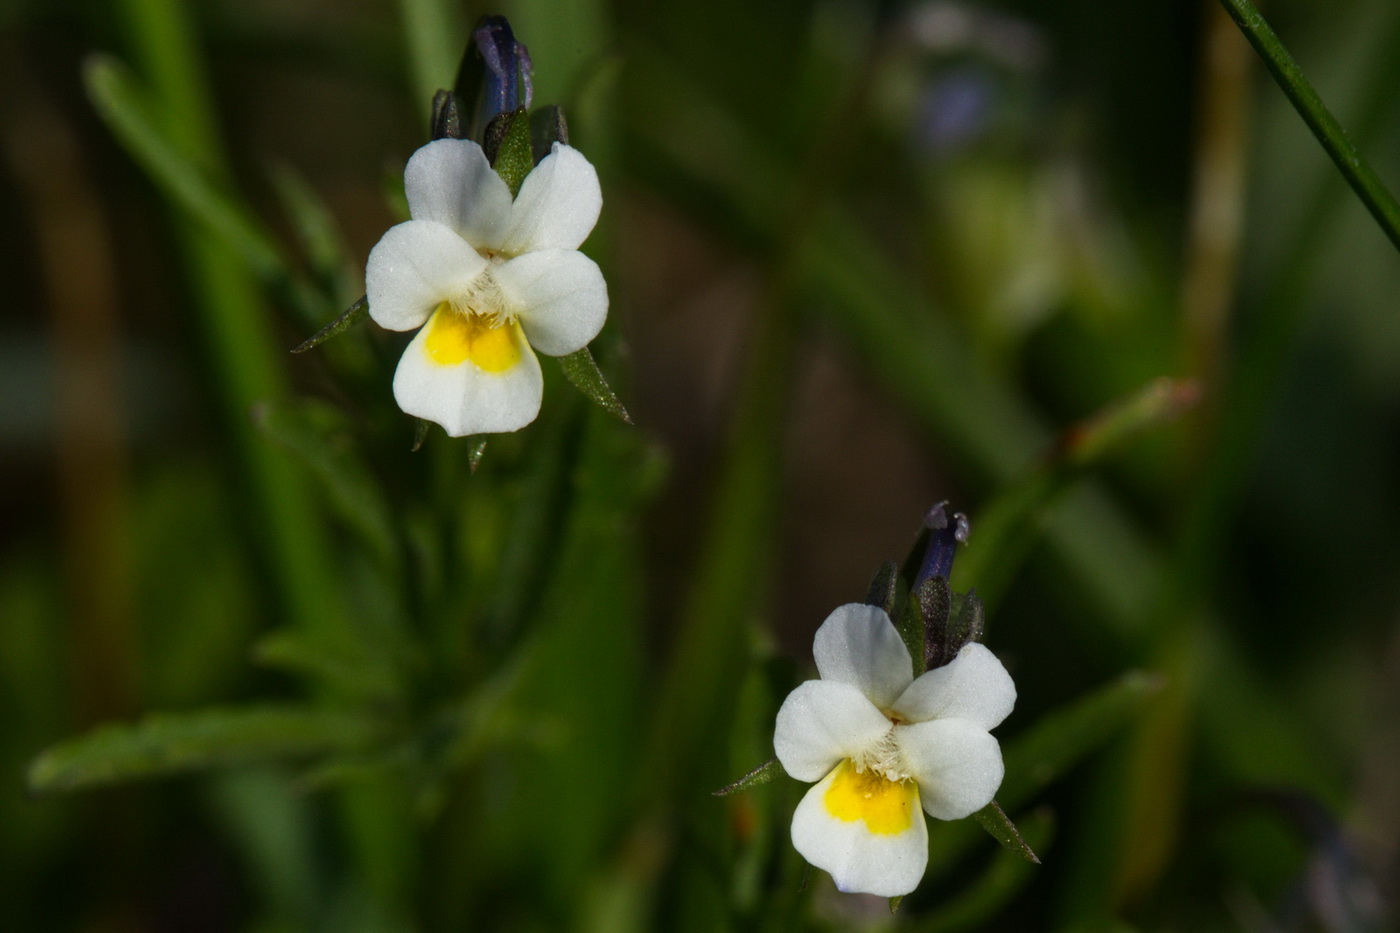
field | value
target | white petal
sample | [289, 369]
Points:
[858, 645]
[957, 764]
[973, 686]
[860, 861]
[465, 399]
[821, 723]
[557, 205]
[415, 266]
[450, 181]
[559, 296]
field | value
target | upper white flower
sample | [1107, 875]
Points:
[491, 277]
[881, 743]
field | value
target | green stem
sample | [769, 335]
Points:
[1358, 173]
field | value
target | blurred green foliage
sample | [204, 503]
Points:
[1082, 260]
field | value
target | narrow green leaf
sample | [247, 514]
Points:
[759, 776]
[508, 146]
[168, 743]
[995, 821]
[352, 315]
[322, 439]
[582, 370]
[884, 589]
[1069, 734]
[1324, 127]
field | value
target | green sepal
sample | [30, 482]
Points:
[884, 588]
[995, 821]
[420, 433]
[582, 370]
[759, 776]
[547, 127]
[352, 315]
[934, 600]
[910, 625]
[508, 147]
[167, 743]
[446, 120]
[967, 620]
[895, 902]
[476, 449]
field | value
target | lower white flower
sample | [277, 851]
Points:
[486, 277]
[881, 745]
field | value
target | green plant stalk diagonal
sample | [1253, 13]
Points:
[1355, 169]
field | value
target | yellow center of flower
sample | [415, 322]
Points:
[454, 337]
[887, 807]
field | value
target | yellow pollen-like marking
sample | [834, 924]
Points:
[454, 337]
[887, 807]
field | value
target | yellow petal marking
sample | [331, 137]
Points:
[454, 337]
[887, 807]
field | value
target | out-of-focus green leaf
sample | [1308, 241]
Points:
[315, 228]
[1061, 739]
[167, 743]
[319, 435]
[1007, 528]
[431, 33]
[759, 776]
[1065, 736]
[123, 106]
[1008, 873]
[995, 821]
[272, 827]
[582, 370]
[351, 665]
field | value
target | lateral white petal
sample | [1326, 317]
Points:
[465, 399]
[559, 297]
[557, 205]
[973, 686]
[450, 181]
[822, 722]
[858, 645]
[415, 266]
[858, 860]
[956, 763]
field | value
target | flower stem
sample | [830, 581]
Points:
[1358, 173]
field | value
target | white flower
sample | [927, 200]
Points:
[880, 744]
[490, 277]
